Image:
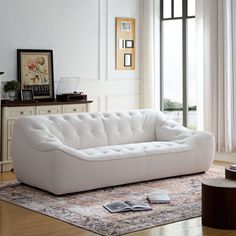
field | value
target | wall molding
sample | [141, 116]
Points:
[107, 38]
[131, 101]
[99, 39]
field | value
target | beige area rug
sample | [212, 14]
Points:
[86, 209]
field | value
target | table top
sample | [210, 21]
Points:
[18, 103]
[220, 182]
[233, 171]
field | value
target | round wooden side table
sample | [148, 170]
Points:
[219, 203]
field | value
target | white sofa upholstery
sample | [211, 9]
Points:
[77, 152]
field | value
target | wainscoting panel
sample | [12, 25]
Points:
[123, 102]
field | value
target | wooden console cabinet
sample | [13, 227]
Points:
[13, 110]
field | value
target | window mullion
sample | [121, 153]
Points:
[172, 8]
[185, 87]
[161, 57]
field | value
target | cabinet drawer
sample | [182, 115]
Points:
[74, 108]
[9, 153]
[16, 112]
[47, 110]
[10, 124]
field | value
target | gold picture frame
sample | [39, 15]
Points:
[125, 43]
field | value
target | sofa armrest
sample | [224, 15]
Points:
[36, 137]
[168, 130]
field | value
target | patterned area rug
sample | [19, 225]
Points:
[86, 209]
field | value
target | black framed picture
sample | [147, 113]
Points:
[127, 60]
[27, 95]
[129, 43]
[35, 72]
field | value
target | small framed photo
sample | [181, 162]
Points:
[127, 60]
[125, 26]
[129, 43]
[27, 95]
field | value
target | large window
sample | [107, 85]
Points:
[178, 75]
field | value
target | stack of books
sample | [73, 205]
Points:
[160, 198]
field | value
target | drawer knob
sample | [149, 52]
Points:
[22, 113]
[74, 109]
[49, 111]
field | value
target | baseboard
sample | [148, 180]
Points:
[228, 157]
[5, 167]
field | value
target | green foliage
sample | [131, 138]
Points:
[172, 106]
[12, 85]
[175, 106]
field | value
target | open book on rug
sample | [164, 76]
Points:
[127, 206]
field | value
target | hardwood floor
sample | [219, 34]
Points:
[18, 221]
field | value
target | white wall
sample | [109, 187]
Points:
[82, 36]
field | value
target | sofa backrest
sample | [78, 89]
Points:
[85, 130]
[129, 126]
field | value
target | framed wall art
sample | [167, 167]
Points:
[35, 72]
[127, 60]
[129, 43]
[125, 26]
[125, 43]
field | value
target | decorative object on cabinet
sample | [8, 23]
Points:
[35, 72]
[125, 43]
[72, 97]
[11, 87]
[11, 110]
[68, 90]
[27, 95]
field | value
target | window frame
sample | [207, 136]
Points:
[184, 19]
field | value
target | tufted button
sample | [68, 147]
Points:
[178, 133]
[117, 150]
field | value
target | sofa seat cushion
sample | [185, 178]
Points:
[131, 150]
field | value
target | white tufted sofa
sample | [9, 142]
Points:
[77, 152]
